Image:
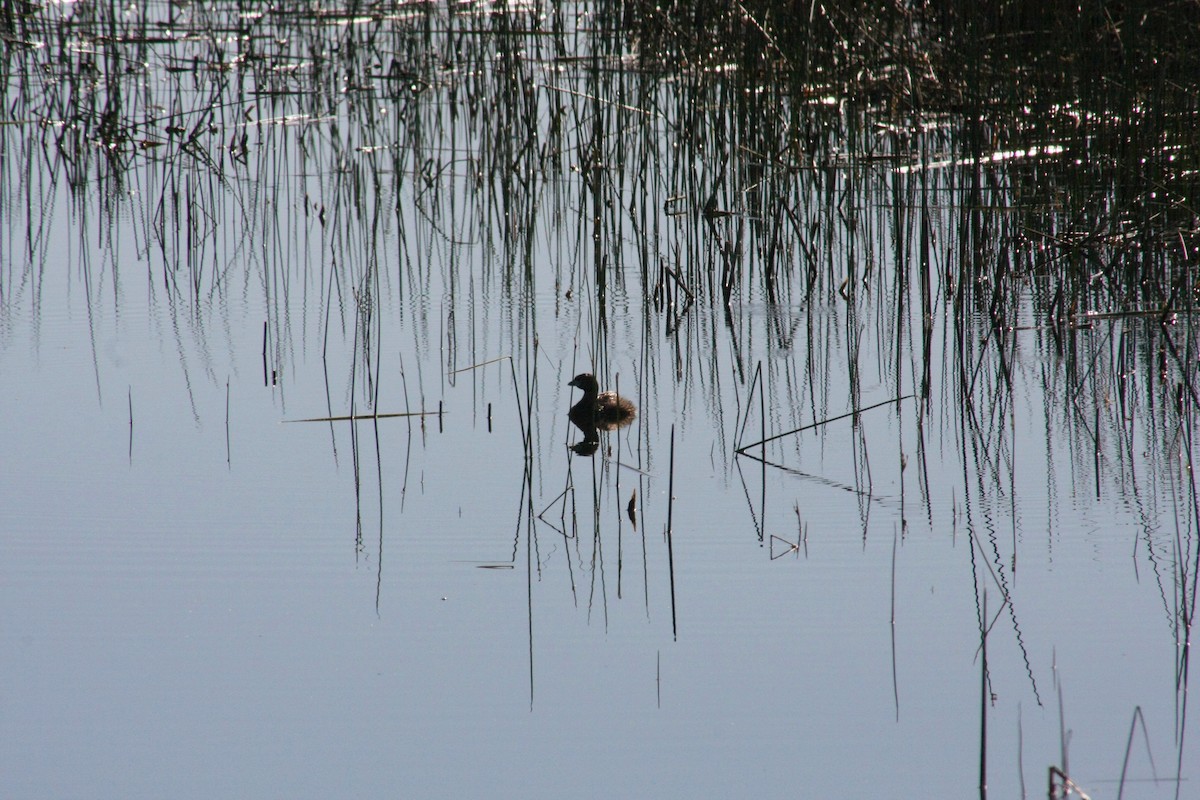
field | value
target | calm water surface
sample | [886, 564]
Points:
[203, 595]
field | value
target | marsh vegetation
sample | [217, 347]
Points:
[903, 294]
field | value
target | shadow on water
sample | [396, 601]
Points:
[759, 220]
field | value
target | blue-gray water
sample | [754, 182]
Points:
[203, 595]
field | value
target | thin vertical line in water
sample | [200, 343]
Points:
[131, 424]
[228, 458]
[379, 481]
[1020, 752]
[529, 605]
[620, 522]
[645, 568]
[983, 703]
[762, 424]
[266, 380]
[1012, 493]
[895, 682]
[670, 545]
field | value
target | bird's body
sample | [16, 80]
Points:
[604, 410]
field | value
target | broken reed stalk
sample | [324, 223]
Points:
[481, 364]
[357, 417]
[754, 381]
[1133, 726]
[741, 451]
[1066, 786]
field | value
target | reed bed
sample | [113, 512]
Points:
[941, 201]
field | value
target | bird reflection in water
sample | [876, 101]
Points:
[597, 411]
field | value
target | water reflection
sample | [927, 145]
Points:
[770, 233]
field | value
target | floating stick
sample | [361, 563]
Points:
[742, 450]
[357, 417]
[480, 364]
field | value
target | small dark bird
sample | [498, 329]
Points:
[604, 410]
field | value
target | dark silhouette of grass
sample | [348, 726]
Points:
[820, 211]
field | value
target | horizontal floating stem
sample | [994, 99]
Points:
[481, 364]
[742, 450]
[356, 417]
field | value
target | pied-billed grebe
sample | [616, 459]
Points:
[605, 410]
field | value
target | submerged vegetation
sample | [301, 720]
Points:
[805, 207]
